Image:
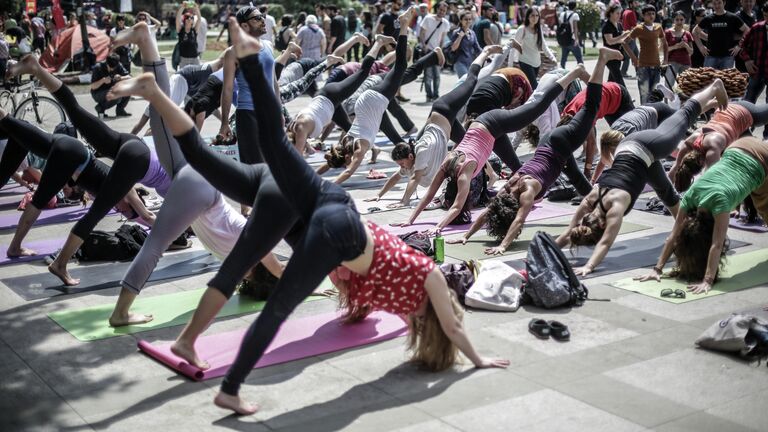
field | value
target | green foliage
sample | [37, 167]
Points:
[589, 16]
[12, 6]
[208, 11]
[296, 6]
[277, 10]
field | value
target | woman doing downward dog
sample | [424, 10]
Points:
[421, 160]
[365, 257]
[468, 158]
[190, 200]
[703, 149]
[698, 238]
[369, 109]
[310, 121]
[507, 211]
[599, 217]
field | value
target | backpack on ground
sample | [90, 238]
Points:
[551, 280]
[122, 245]
[564, 31]
[418, 241]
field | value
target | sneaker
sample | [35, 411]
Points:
[122, 113]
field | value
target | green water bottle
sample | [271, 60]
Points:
[439, 246]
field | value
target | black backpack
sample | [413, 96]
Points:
[564, 31]
[122, 245]
[551, 280]
[280, 42]
[418, 241]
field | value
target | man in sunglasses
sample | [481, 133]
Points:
[251, 20]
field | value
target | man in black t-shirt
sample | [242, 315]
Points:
[104, 75]
[338, 29]
[719, 30]
[388, 23]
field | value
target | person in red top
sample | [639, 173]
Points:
[373, 269]
[628, 22]
[614, 103]
[680, 43]
[754, 52]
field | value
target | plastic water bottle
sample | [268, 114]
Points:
[439, 246]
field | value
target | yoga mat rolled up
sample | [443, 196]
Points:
[297, 338]
[108, 275]
[542, 210]
[42, 247]
[168, 310]
[475, 247]
[744, 270]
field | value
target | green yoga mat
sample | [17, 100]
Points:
[744, 270]
[169, 310]
[475, 247]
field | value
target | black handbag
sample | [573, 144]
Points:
[419, 51]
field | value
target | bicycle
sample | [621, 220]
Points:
[26, 104]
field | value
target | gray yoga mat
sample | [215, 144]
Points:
[626, 255]
[107, 275]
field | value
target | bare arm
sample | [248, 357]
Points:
[487, 36]
[476, 226]
[226, 91]
[132, 198]
[354, 164]
[391, 182]
[462, 185]
[178, 18]
[613, 225]
[437, 290]
[718, 237]
[410, 188]
[664, 47]
[526, 200]
[563, 239]
[322, 169]
[433, 187]
[669, 247]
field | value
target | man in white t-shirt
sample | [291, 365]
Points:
[434, 27]
[202, 36]
[270, 25]
[570, 18]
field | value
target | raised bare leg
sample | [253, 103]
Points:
[30, 65]
[145, 86]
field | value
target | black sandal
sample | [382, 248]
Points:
[539, 328]
[559, 331]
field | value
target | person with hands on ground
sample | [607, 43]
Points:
[361, 258]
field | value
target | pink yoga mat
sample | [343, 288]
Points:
[298, 338]
[42, 247]
[542, 210]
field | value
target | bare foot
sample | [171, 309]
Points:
[720, 93]
[332, 60]
[385, 40]
[234, 403]
[133, 35]
[608, 54]
[374, 154]
[20, 252]
[361, 38]
[143, 85]
[63, 274]
[27, 65]
[243, 44]
[129, 319]
[440, 56]
[406, 17]
[187, 352]
[581, 72]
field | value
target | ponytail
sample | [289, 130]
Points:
[690, 166]
[403, 150]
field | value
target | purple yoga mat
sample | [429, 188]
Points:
[541, 210]
[297, 338]
[48, 216]
[42, 247]
[758, 226]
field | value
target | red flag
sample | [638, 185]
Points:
[58, 15]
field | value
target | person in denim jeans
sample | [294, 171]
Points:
[717, 30]
[573, 20]
[649, 35]
[464, 45]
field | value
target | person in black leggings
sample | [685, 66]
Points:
[129, 153]
[334, 235]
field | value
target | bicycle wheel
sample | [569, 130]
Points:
[42, 111]
[7, 102]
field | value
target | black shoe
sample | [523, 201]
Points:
[402, 98]
[559, 331]
[122, 113]
[539, 328]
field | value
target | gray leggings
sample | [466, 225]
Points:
[189, 196]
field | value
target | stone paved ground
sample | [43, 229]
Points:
[631, 364]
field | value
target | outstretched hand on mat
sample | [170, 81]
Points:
[650, 276]
[583, 271]
[486, 362]
[700, 288]
[496, 250]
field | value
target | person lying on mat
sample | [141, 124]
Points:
[598, 220]
[698, 238]
[644, 117]
[190, 200]
[373, 269]
[421, 160]
[468, 158]
[703, 148]
[507, 211]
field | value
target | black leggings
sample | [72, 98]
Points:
[759, 112]
[417, 68]
[246, 128]
[333, 231]
[64, 155]
[614, 72]
[337, 92]
[392, 80]
[451, 103]
[500, 122]
[663, 140]
[270, 220]
[663, 111]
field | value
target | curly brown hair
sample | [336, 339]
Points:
[532, 134]
[692, 246]
[502, 211]
[589, 232]
[691, 164]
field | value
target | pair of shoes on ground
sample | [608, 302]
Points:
[543, 329]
